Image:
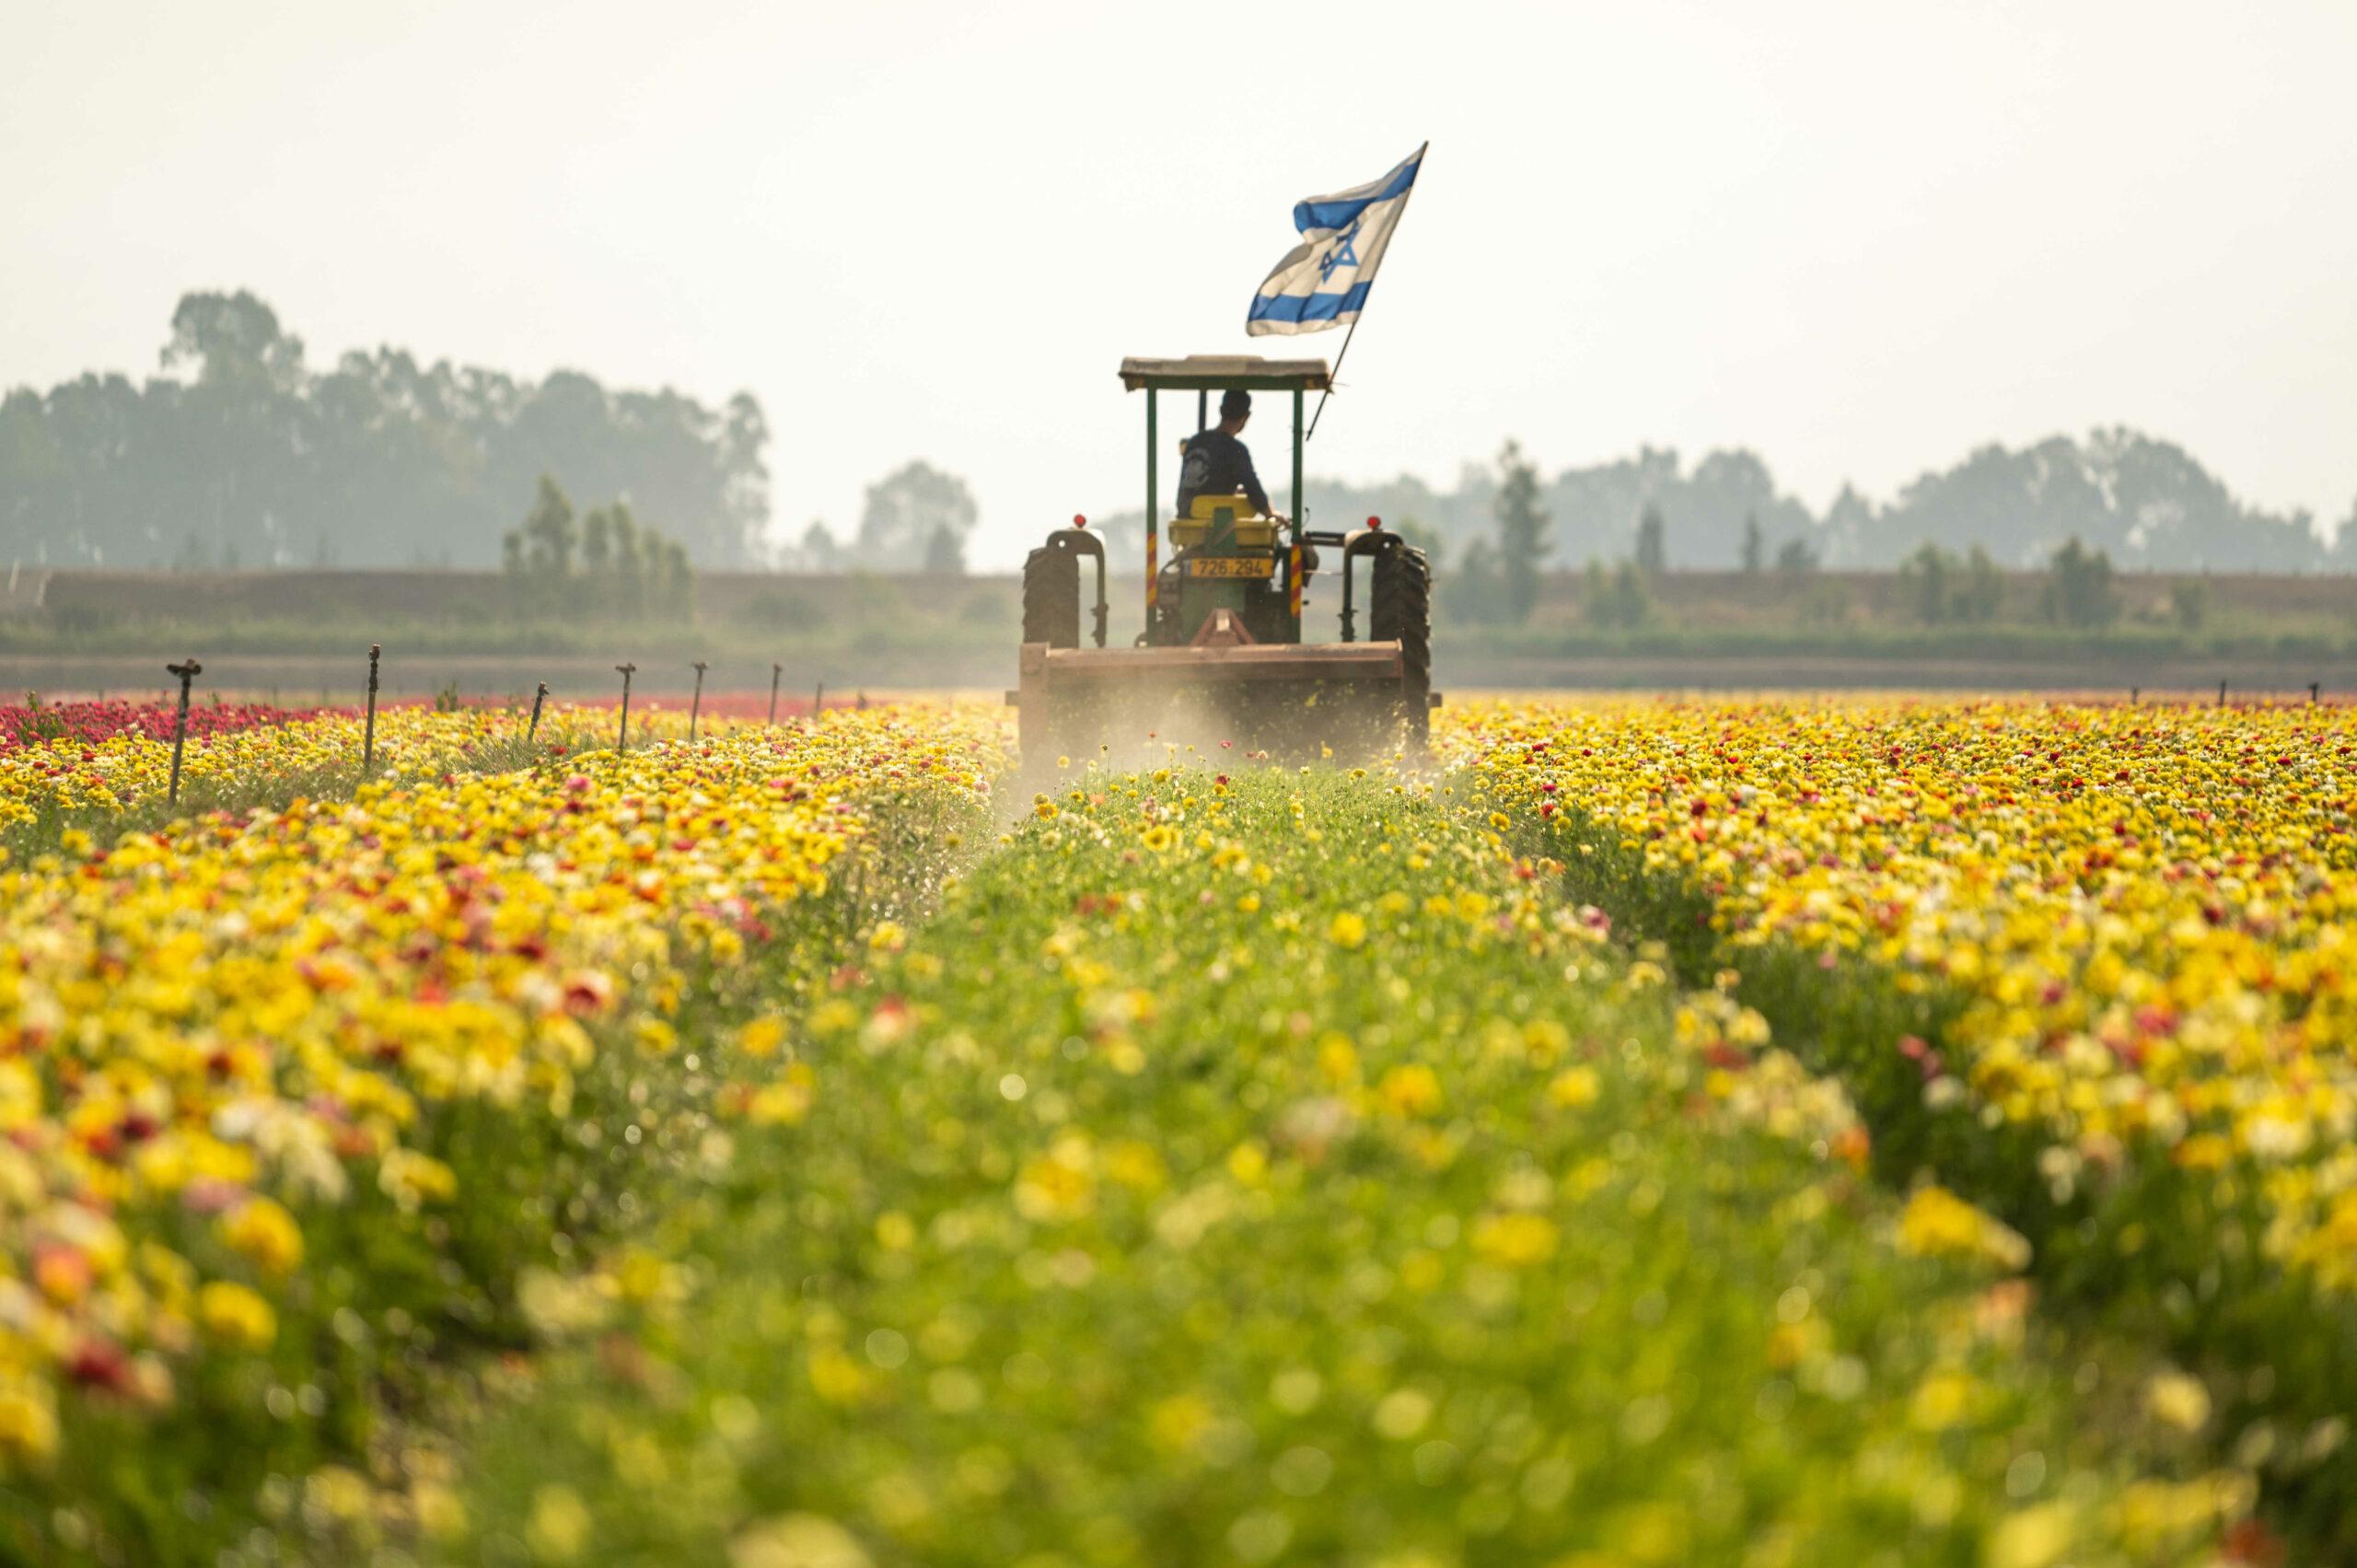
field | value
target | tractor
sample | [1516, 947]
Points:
[1222, 658]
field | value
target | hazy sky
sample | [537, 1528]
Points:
[1858, 238]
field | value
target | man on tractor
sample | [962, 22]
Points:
[1217, 463]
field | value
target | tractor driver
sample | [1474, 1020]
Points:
[1216, 463]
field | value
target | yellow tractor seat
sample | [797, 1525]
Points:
[1209, 511]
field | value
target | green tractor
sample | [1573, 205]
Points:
[1223, 659]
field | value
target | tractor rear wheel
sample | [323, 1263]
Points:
[1051, 596]
[1401, 610]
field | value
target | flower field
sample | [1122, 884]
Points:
[1796, 1133]
[2096, 963]
[291, 1096]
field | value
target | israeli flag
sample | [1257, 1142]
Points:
[1323, 281]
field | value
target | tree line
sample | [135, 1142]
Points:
[2143, 503]
[1937, 585]
[241, 453]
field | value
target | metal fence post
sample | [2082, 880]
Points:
[187, 671]
[818, 700]
[696, 707]
[534, 728]
[626, 671]
[368, 738]
[2221, 693]
[776, 672]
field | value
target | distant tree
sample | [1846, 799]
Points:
[1755, 545]
[906, 510]
[1615, 597]
[945, 554]
[1927, 583]
[1475, 591]
[234, 340]
[1796, 556]
[1981, 594]
[818, 552]
[2078, 586]
[548, 534]
[596, 541]
[618, 570]
[1652, 540]
[1523, 542]
[378, 461]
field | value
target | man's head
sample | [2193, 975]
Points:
[1235, 408]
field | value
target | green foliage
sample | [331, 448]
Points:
[1523, 528]
[917, 519]
[2078, 587]
[1938, 588]
[1795, 557]
[2134, 1253]
[607, 565]
[1147, 1209]
[1653, 539]
[1615, 597]
[381, 460]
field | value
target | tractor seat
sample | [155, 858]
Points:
[1212, 515]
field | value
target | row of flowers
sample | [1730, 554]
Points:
[288, 1096]
[1273, 1168]
[2122, 940]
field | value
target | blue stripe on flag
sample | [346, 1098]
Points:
[1307, 307]
[1308, 215]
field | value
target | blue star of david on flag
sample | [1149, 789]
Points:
[1323, 282]
[1344, 254]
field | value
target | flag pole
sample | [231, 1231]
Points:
[1336, 375]
[1337, 371]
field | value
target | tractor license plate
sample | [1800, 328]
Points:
[1232, 566]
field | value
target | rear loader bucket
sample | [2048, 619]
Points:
[1349, 701]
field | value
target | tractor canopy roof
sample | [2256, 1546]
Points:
[1217, 372]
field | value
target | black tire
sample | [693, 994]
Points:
[1051, 596]
[1401, 610]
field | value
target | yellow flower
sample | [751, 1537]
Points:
[1410, 1089]
[1573, 1087]
[1514, 1240]
[2175, 1400]
[235, 1315]
[265, 1234]
[28, 1424]
[1938, 1224]
[1348, 930]
[763, 1037]
[410, 1180]
[560, 1525]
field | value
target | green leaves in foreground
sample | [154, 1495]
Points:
[1265, 1173]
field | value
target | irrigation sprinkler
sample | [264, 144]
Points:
[818, 700]
[368, 738]
[187, 671]
[533, 728]
[776, 670]
[626, 671]
[696, 706]
[2315, 691]
[2221, 693]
